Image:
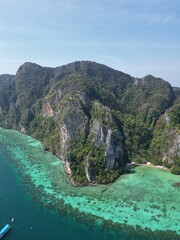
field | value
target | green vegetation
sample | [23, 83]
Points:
[104, 115]
[137, 138]
[46, 130]
[175, 116]
[176, 167]
[159, 143]
[90, 100]
[80, 153]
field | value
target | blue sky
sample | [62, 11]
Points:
[138, 37]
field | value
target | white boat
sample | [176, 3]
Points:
[4, 230]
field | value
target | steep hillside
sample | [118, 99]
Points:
[94, 118]
[5, 78]
[7, 100]
[165, 144]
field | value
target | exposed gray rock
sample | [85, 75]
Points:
[173, 150]
[89, 170]
[101, 135]
[91, 106]
[73, 127]
[114, 149]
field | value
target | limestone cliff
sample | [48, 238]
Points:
[111, 139]
[96, 119]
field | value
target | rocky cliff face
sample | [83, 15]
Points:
[94, 118]
[112, 140]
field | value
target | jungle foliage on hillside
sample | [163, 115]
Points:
[146, 111]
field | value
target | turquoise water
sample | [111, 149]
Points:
[35, 191]
[31, 221]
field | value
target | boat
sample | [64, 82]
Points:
[4, 230]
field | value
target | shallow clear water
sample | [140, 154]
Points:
[134, 207]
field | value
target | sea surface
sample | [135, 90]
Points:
[34, 190]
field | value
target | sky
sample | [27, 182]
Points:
[138, 37]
